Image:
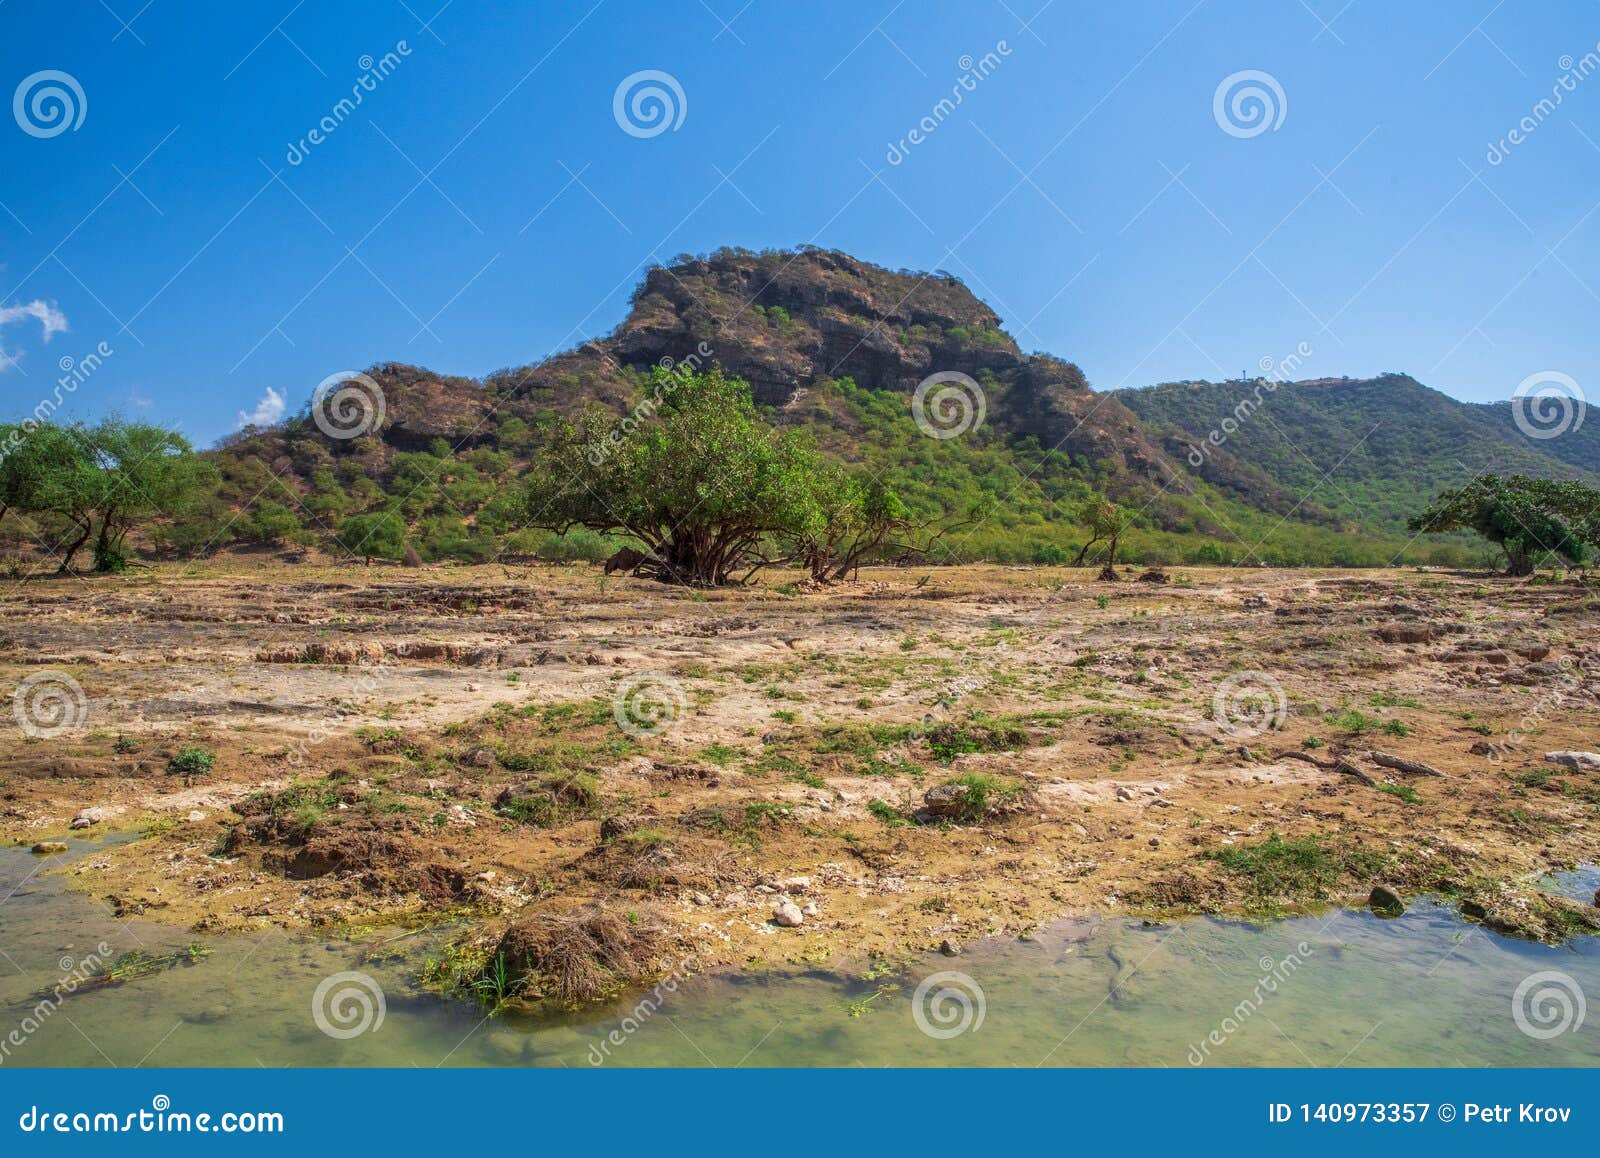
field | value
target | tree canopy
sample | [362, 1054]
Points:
[711, 490]
[1528, 518]
[114, 476]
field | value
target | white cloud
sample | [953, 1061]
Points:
[267, 411]
[45, 313]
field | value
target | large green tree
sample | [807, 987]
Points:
[49, 476]
[140, 472]
[113, 476]
[693, 473]
[1527, 518]
[375, 535]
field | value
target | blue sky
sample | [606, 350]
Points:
[483, 206]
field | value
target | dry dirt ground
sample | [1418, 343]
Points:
[504, 745]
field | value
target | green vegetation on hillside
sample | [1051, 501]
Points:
[1325, 472]
[1368, 451]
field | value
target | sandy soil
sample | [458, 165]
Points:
[393, 744]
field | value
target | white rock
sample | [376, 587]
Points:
[810, 909]
[1577, 761]
[788, 915]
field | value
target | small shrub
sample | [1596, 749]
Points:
[984, 794]
[551, 800]
[886, 812]
[192, 762]
[947, 741]
[647, 838]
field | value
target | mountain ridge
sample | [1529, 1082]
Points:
[840, 346]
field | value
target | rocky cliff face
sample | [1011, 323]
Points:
[782, 321]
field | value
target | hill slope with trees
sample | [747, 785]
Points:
[1013, 447]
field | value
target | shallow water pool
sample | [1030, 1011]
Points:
[1344, 988]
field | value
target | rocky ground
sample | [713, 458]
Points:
[778, 774]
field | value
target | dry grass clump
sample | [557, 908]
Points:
[580, 956]
[653, 859]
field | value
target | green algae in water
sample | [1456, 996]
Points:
[1423, 989]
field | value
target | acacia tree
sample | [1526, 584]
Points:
[1106, 522]
[140, 472]
[115, 474]
[854, 517]
[706, 486]
[34, 460]
[1526, 517]
[50, 475]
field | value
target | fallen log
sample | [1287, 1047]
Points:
[1349, 768]
[1343, 765]
[1401, 764]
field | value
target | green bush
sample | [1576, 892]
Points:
[192, 762]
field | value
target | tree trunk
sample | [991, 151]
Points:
[66, 562]
[102, 545]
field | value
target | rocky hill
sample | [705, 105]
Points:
[840, 346]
